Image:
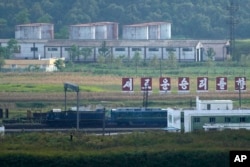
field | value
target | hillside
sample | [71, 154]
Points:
[190, 18]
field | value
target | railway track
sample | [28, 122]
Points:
[108, 129]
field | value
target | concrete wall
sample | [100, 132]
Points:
[34, 31]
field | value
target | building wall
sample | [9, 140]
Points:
[100, 30]
[82, 32]
[30, 50]
[219, 47]
[34, 31]
[147, 49]
[46, 64]
[147, 31]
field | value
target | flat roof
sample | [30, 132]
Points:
[146, 24]
[93, 24]
[34, 24]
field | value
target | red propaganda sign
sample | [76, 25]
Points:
[183, 84]
[127, 84]
[202, 84]
[146, 84]
[221, 83]
[165, 84]
[240, 83]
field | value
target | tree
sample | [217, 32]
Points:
[22, 17]
[7, 52]
[74, 52]
[154, 61]
[12, 47]
[60, 64]
[210, 53]
[63, 33]
[45, 18]
[210, 57]
[2, 62]
[104, 51]
[136, 60]
[118, 61]
[86, 52]
[172, 60]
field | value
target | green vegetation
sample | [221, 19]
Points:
[190, 18]
[42, 88]
[150, 148]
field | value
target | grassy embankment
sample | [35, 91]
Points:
[166, 148]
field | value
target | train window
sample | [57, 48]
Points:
[196, 119]
[227, 119]
[212, 119]
[242, 119]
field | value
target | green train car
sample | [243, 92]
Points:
[139, 116]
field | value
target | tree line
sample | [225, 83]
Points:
[195, 19]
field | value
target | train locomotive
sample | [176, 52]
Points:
[120, 117]
[67, 119]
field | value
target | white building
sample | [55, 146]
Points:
[99, 30]
[184, 50]
[147, 31]
[214, 119]
[35, 31]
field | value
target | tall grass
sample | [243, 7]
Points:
[150, 141]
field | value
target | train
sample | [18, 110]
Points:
[58, 118]
[116, 117]
[120, 117]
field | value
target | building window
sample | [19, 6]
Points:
[34, 49]
[153, 49]
[13, 66]
[136, 49]
[187, 49]
[212, 119]
[196, 119]
[227, 119]
[52, 49]
[242, 119]
[119, 49]
[67, 49]
[170, 49]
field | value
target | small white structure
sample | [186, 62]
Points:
[214, 104]
[47, 65]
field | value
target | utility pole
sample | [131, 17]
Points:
[145, 97]
[75, 88]
[233, 8]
